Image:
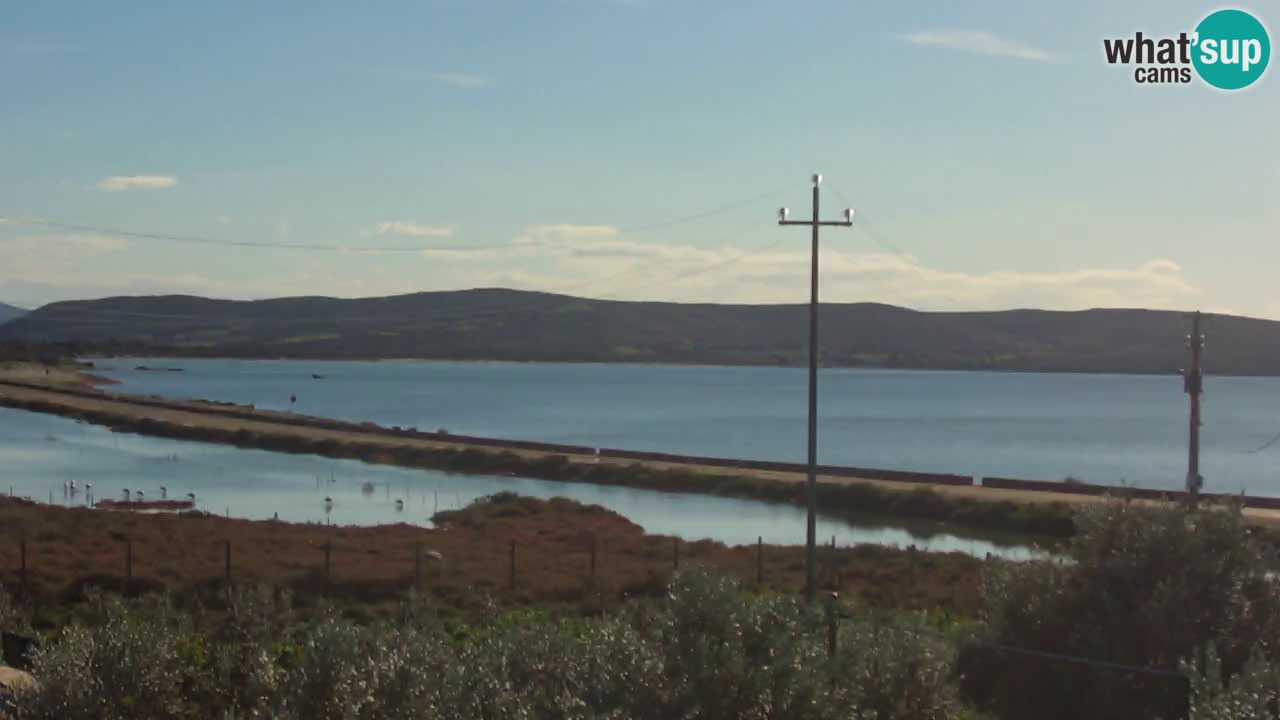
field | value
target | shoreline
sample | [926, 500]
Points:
[634, 363]
[1017, 510]
[990, 513]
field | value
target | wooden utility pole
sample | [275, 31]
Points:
[1193, 385]
[811, 551]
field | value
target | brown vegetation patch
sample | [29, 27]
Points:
[69, 549]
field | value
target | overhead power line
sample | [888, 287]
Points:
[704, 214]
[54, 224]
[200, 240]
[77, 310]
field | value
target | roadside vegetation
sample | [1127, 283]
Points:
[1151, 612]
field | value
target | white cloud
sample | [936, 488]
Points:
[117, 183]
[27, 251]
[600, 261]
[51, 262]
[409, 228]
[465, 81]
[976, 42]
[629, 270]
[570, 233]
[459, 253]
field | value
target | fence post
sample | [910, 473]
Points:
[759, 561]
[227, 561]
[675, 553]
[832, 566]
[593, 560]
[831, 624]
[511, 580]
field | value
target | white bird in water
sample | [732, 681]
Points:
[126, 494]
[141, 495]
[399, 505]
[164, 492]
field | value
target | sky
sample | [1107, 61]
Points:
[630, 150]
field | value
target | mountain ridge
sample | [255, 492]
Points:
[505, 324]
[9, 312]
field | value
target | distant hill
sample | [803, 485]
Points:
[9, 312]
[500, 324]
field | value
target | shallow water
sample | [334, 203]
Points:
[1097, 428]
[39, 454]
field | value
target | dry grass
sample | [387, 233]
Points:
[71, 548]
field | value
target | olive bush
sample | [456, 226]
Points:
[708, 651]
[1148, 586]
[121, 665]
[897, 670]
[1253, 693]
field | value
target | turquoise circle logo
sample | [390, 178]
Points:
[1232, 49]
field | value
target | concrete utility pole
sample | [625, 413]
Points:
[1193, 385]
[811, 531]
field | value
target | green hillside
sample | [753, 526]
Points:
[501, 324]
[9, 312]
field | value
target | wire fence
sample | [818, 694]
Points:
[50, 565]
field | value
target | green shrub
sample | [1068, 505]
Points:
[1148, 586]
[707, 651]
[124, 664]
[897, 671]
[1252, 694]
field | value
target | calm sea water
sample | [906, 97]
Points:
[1097, 428]
[40, 453]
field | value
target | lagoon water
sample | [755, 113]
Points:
[40, 453]
[1096, 428]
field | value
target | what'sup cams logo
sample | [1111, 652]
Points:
[1228, 50]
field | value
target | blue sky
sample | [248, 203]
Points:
[630, 149]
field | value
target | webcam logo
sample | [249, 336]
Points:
[1228, 50]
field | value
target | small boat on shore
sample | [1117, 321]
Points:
[145, 368]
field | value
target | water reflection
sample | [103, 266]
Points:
[42, 454]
